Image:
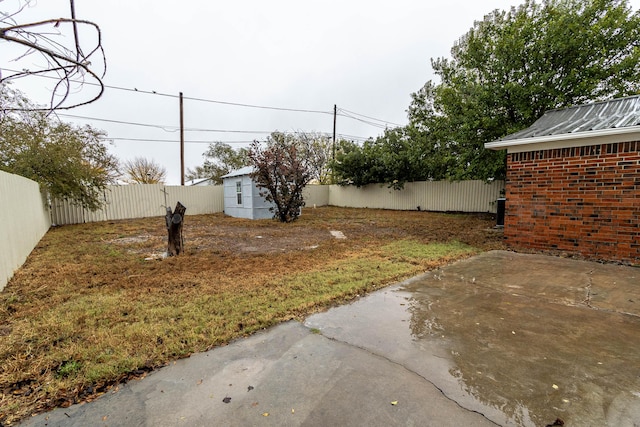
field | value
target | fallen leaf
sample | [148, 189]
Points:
[199, 381]
[226, 399]
[266, 414]
[555, 387]
[394, 403]
[293, 411]
[250, 388]
[105, 418]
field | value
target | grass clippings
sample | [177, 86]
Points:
[95, 304]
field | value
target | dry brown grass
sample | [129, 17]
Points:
[92, 306]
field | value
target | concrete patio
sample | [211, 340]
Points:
[498, 339]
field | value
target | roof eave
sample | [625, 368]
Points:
[565, 140]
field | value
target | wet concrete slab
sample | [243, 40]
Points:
[287, 376]
[522, 339]
[497, 339]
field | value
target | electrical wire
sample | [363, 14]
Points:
[368, 117]
[165, 128]
[174, 141]
[175, 128]
[378, 125]
[169, 95]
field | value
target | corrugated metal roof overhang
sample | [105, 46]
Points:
[567, 140]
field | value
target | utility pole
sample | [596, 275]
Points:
[181, 141]
[335, 114]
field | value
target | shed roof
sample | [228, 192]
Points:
[601, 119]
[239, 172]
[199, 181]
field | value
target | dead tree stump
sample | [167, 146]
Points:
[174, 222]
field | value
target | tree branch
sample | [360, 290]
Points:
[65, 62]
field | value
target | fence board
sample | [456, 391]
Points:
[25, 219]
[141, 201]
[199, 200]
[316, 195]
[149, 200]
[441, 196]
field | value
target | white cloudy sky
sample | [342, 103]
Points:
[364, 56]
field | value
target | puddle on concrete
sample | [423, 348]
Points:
[534, 360]
[510, 337]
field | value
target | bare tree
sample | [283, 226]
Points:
[317, 149]
[71, 63]
[143, 171]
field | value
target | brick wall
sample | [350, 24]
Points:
[583, 200]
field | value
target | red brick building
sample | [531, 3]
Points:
[573, 182]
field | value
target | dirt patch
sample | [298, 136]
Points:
[220, 233]
[265, 239]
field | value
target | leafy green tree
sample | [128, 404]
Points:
[143, 171]
[220, 159]
[513, 66]
[282, 170]
[69, 162]
[196, 173]
[400, 155]
[353, 164]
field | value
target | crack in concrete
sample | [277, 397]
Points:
[412, 372]
[587, 300]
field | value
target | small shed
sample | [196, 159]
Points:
[573, 181]
[242, 197]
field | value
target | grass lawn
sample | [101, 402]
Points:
[95, 305]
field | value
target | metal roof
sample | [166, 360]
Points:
[612, 114]
[239, 172]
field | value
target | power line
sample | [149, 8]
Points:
[166, 128]
[370, 123]
[174, 141]
[378, 123]
[213, 101]
[359, 138]
[369, 117]
[297, 110]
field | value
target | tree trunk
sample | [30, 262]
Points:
[174, 227]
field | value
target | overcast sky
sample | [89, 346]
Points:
[366, 57]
